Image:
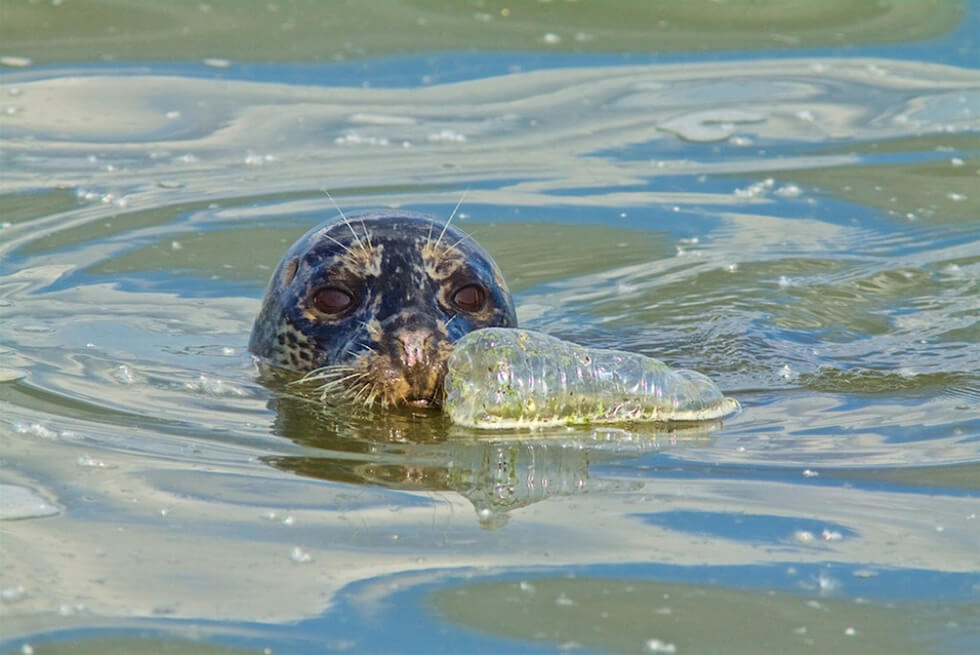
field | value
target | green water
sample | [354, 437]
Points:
[781, 195]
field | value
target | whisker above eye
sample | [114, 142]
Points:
[357, 238]
[450, 219]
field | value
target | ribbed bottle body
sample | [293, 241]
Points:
[505, 378]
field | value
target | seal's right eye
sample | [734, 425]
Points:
[331, 300]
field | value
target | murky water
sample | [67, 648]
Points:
[801, 224]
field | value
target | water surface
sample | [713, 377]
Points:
[787, 204]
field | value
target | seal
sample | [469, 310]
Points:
[371, 304]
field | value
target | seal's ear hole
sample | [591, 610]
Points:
[290, 272]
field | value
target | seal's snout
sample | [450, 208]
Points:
[415, 347]
[419, 355]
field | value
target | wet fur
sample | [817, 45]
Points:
[403, 269]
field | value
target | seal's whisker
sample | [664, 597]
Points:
[466, 236]
[357, 238]
[367, 233]
[339, 243]
[366, 396]
[364, 392]
[450, 219]
[339, 382]
[322, 373]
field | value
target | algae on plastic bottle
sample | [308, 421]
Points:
[509, 378]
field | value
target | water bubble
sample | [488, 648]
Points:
[956, 161]
[955, 197]
[300, 556]
[659, 646]
[90, 462]
[215, 387]
[252, 159]
[353, 138]
[215, 62]
[826, 583]
[850, 631]
[123, 374]
[551, 38]
[831, 535]
[447, 136]
[526, 587]
[564, 601]
[35, 429]
[13, 593]
[15, 62]
[757, 190]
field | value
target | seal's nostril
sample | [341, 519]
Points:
[413, 344]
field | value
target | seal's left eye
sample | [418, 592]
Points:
[331, 300]
[470, 298]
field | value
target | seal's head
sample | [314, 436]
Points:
[370, 304]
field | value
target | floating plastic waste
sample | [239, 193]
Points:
[506, 378]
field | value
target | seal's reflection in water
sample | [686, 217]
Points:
[497, 472]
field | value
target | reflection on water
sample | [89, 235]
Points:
[422, 452]
[802, 230]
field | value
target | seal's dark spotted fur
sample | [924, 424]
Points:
[371, 304]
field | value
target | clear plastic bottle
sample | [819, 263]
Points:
[508, 378]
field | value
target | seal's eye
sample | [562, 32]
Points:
[331, 300]
[470, 298]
